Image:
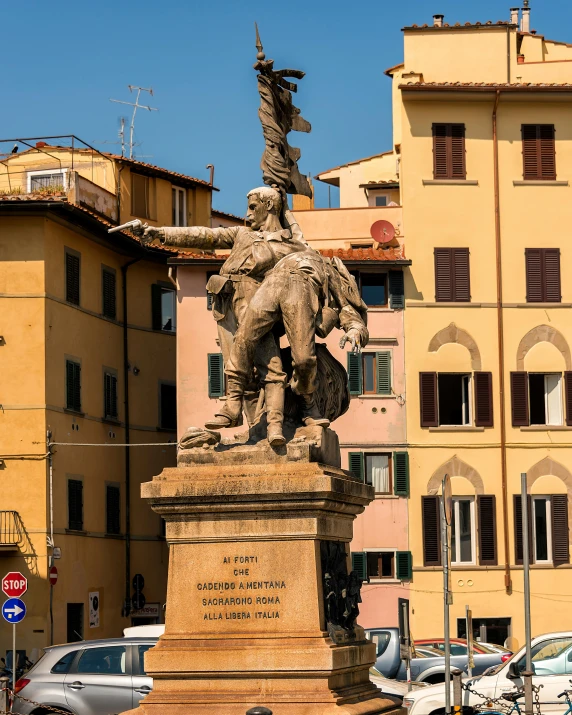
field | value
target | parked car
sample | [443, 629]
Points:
[551, 663]
[428, 666]
[458, 646]
[102, 677]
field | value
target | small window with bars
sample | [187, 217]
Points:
[452, 275]
[110, 395]
[73, 385]
[72, 277]
[41, 181]
[112, 509]
[449, 151]
[538, 152]
[75, 504]
[167, 406]
[543, 275]
[108, 292]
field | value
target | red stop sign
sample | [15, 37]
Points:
[53, 576]
[14, 584]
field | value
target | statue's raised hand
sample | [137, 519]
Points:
[147, 234]
[353, 338]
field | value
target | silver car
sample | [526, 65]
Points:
[103, 677]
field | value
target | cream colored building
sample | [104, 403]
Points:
[482, 117]
[482, 156]
[87, 357]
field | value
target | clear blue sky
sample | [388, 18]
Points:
[63, 61]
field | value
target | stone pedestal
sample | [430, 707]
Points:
[245, 622]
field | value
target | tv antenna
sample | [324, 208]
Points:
[135, 106]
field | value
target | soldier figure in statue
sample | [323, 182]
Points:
[273, 280]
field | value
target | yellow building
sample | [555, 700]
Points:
[481, 163]
[484, 114]
[87, 357]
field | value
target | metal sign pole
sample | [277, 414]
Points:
[526, 567]
[445, 551]
[470, 649]
[14, 663]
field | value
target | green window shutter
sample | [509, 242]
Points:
[403, 565]
[355, 465]
[216, 375]
[355, 373]
[401, 474]
[156, 311]
[383, 364]
[396, 290]
[359, 564]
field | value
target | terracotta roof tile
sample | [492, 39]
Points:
[160, 170]
[486, 85]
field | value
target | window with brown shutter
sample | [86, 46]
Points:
[518, 545]
[487, 530]
[431, 531]
[568, 397]
[483, 399]
[538, 152]
[449, 151]
[542, 275]
[519, 399]
[560, 535]
[428, 399]
[452, 275]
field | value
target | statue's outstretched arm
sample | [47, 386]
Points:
[209, 239]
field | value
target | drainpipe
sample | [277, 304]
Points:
[51, 537]
[500, 333]
[127, 604]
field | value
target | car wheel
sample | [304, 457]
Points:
[43, 711]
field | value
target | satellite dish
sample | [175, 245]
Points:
[382, 231]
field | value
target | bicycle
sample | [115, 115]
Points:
[567, 694]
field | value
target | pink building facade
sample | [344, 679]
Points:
[372, 433]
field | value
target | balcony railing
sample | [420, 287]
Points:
[11, 531]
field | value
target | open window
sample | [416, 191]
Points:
[545, 395]
[463, 531]
[454, 397]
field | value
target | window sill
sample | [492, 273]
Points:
[540, 182]
[378, 581]
[386, 496]
[114, 536]
[456, 428]
[111, 421]
[79, 532]
[69, 411]
[450, 182]
[375, 397]
[546, 428]
[380, 309]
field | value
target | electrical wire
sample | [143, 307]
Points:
[109, 444]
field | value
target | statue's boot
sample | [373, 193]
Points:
[311, 414]
[274, 398]
[230, 414]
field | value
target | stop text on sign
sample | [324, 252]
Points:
[14, 584]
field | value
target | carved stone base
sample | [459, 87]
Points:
[246, 615]
[303, 444]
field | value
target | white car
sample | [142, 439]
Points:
[551, 664]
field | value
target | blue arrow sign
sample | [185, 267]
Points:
[14, 610]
